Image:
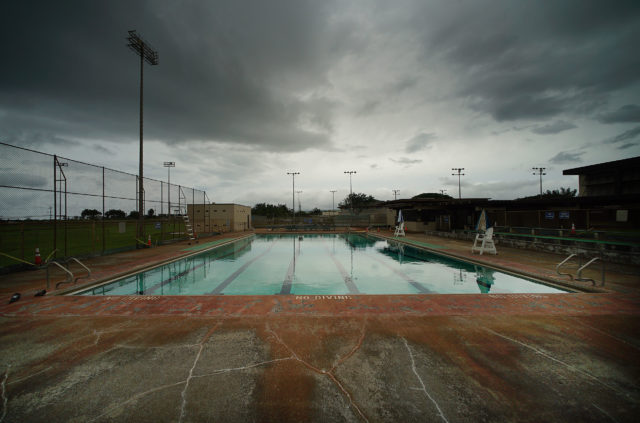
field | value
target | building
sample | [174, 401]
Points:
[219, 217]
[620, 177]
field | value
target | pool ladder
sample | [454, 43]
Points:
[65, 268]
[581, 267]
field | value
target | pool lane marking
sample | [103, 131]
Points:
[189, 270]
[235, 274]
[288, 280]
[353, 289]
[417, 285]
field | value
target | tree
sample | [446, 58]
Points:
[431, 195]
[555, 194]
[316, 211]
[150, 213]
[270, 210]
[115, 214]
[134, 214]
[90, 214]
[359, 201]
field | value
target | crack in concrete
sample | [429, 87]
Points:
[249, 366]
[29, 376]
[4, 392]
[424, 388]
[577, 320]
[329, 373]
[567, 365]
[195, 362]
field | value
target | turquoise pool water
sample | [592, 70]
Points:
[327, 264]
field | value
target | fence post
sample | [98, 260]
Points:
[55, 207]
[103, 217]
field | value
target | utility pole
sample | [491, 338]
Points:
[293, 202]
[442, 191]
[459, 170]
[395, 193]
[299, 205]
[350, 172]
[169, 165]
[146, 52]
[540, 171]
[333, 200]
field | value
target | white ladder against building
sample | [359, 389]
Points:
[182, 210]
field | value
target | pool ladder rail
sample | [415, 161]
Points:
[581, 267]
[65, 268]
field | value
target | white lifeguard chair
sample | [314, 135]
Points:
[399, 230]
[485, 239]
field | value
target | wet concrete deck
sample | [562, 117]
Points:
[441, 358]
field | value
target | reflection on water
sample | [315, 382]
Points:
[485, 279]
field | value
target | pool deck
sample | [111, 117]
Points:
[440, 358]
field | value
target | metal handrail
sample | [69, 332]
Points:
[69, 277]
[581, 279]
[563, 262]
[85, 268]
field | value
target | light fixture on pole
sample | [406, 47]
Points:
[293, 192]
[350, 172]
[539, 171]
[333, 199]
[146, 52]
[395, 193]
[169, 165]
[459, 170]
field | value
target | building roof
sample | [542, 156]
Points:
[633, 162]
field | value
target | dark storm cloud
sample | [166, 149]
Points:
[228, 71]
[419, 142]
[565, 157]
[625, 136]
[533, 60]
[627, 113]
[554, 128]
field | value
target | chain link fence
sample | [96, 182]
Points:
[66, 208]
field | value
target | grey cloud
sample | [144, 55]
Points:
[629, 145]
[554, 128]
[533, 62]
[566, 157]
[419, 142]
[406, 161]
[626, 135]
[213, 82]
[627, 113]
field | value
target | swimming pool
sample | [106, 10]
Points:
[318, 264]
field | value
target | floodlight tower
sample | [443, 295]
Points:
[169, 165]
[146, 52]
[333, 199]
[459, 170]
[299, 204]
[350, 172]
[539, 171]
[442, 191]
[293, 202]
[395, 193]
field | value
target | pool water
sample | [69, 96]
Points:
[327, 264]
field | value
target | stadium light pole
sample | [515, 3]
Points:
[395, 193]
[333, 199]
[299, 205]
[442, 191]
[350, 172]
[146, 52]
[539, 171]
[293, 192]
[169, 165]
[459, 170]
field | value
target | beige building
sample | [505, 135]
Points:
[217, 217]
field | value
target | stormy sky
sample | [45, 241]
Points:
[400, 92]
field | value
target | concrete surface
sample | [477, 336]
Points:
[428, 358]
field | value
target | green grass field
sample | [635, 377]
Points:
[20, 239]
